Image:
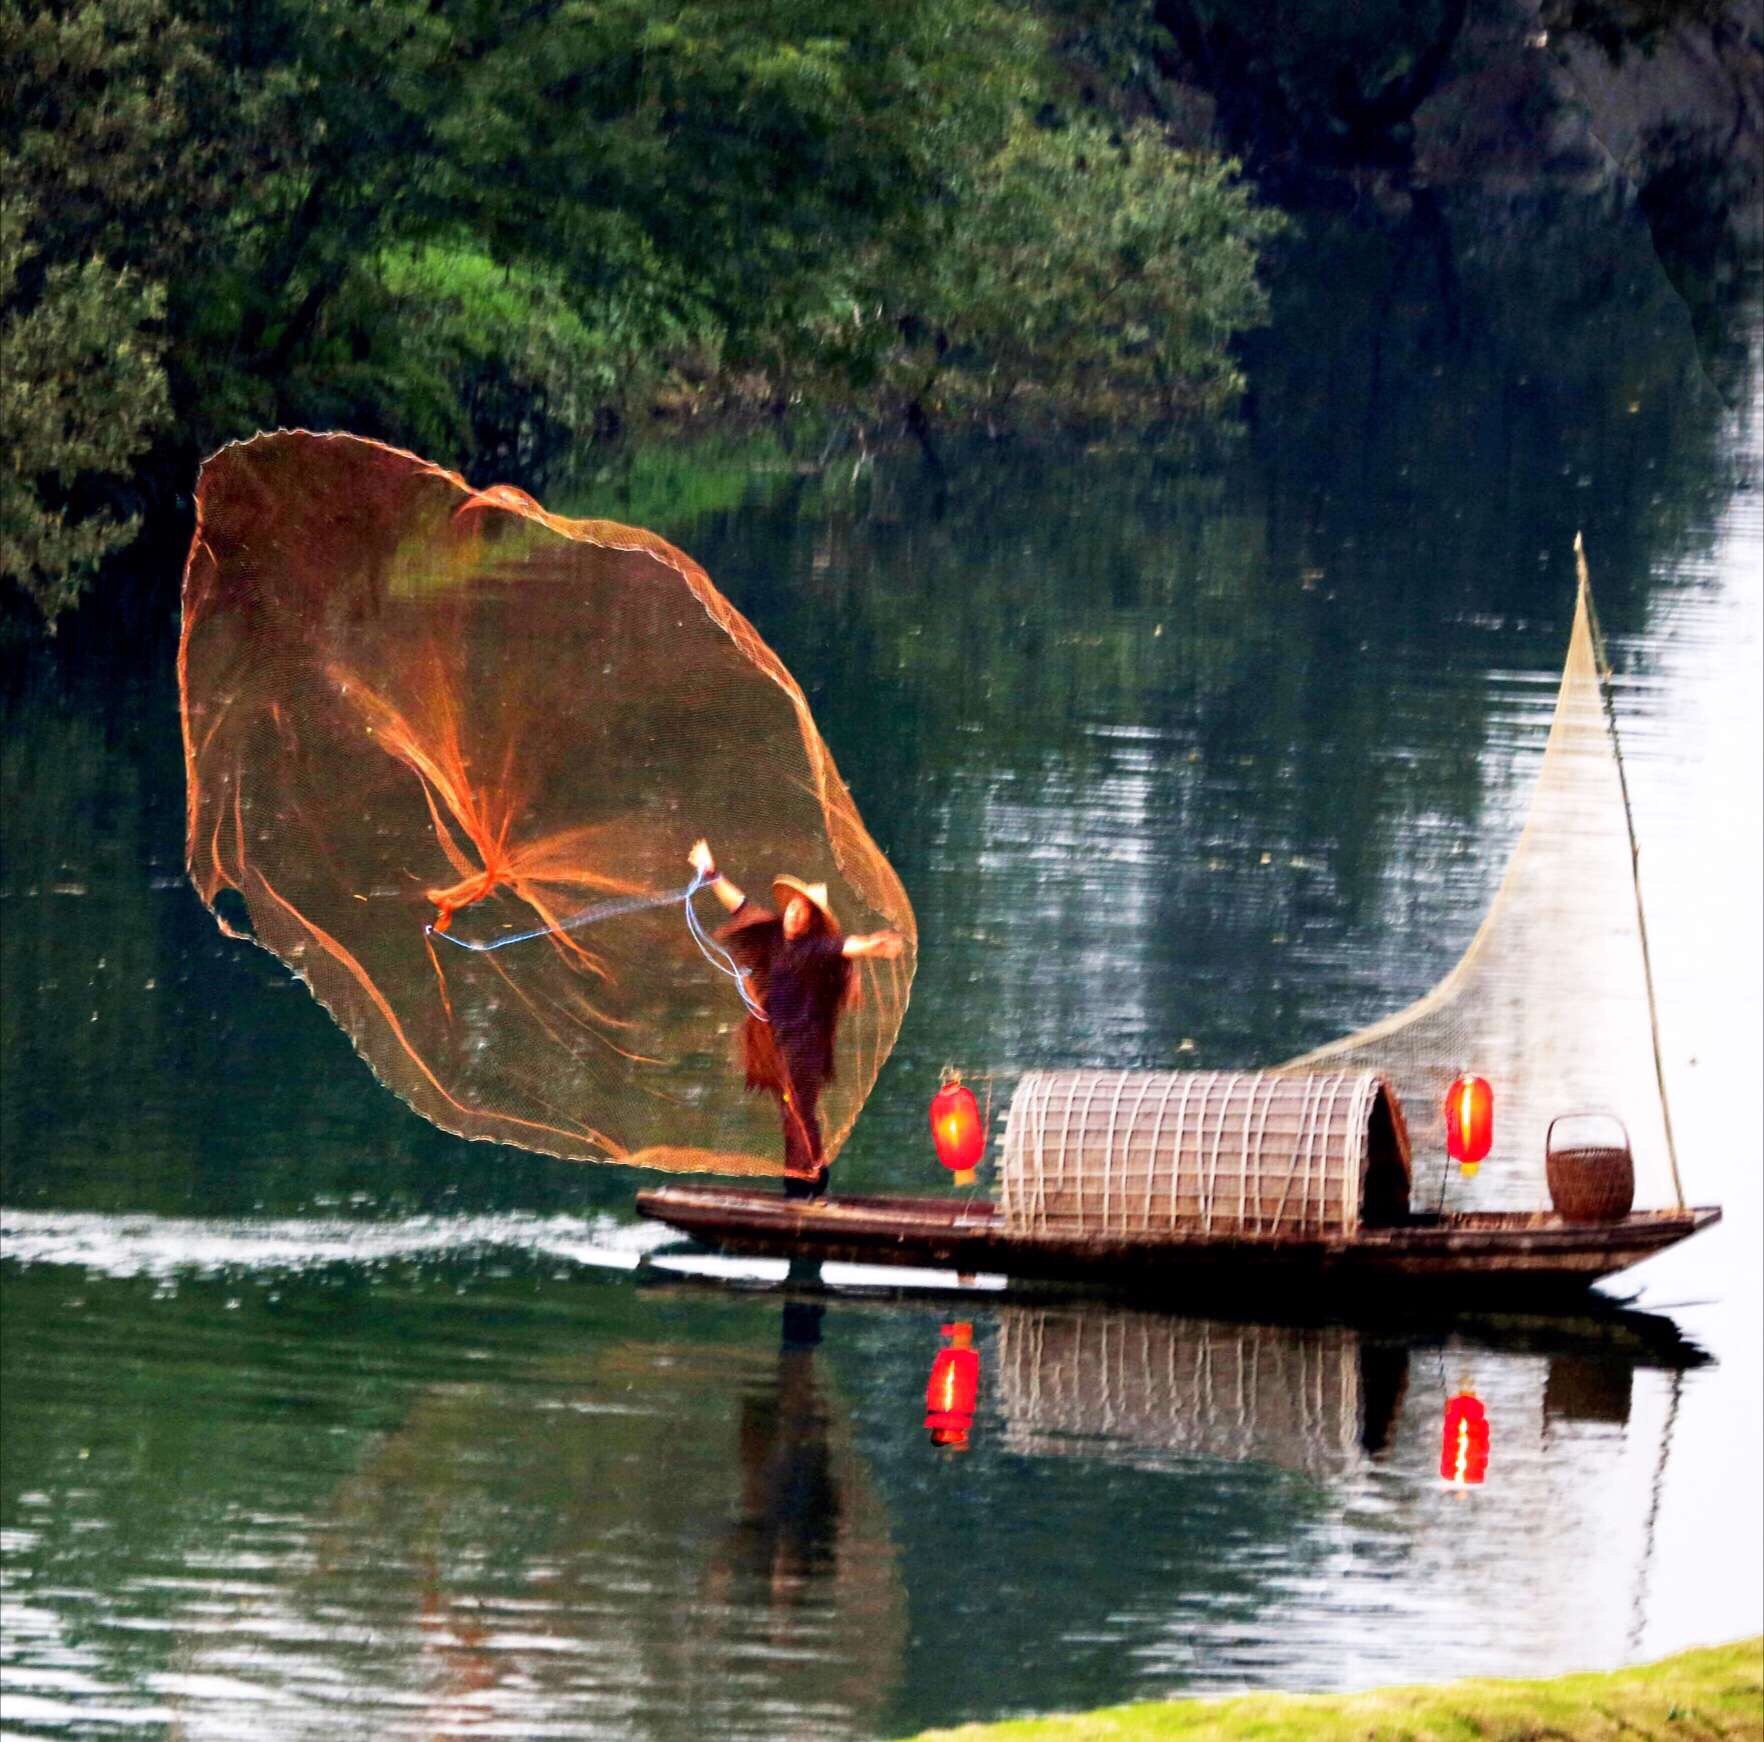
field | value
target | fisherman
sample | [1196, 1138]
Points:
[799, 967]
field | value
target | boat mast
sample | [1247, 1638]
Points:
[1641, 919]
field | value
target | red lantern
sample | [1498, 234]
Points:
[1463, 1453]
[957, 1129]
[953, 1389]
[1469, 1118]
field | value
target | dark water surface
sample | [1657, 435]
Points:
[317, 1422]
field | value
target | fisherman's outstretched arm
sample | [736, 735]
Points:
[704, 862]
[886, 944]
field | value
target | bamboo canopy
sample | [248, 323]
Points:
[1144, 1155]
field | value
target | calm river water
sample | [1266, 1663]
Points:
[317, 1422]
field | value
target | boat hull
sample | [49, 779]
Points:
[1476, 1258]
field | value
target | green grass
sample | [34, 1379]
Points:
[1716, 1692]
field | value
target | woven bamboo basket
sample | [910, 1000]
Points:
[1144, 1155]
[1592, 1173]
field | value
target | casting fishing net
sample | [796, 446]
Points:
[452, 751]
[1552, 1003]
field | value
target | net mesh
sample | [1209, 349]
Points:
[407, 703]
[1552, 1002]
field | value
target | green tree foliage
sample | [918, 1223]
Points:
[493, 233]
[683, 186]
[115, 127]
[111, 191]
[1085, 277]
[82, 394]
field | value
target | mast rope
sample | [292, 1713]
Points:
[1641, 918]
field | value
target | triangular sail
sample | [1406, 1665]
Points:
[1553, 1001]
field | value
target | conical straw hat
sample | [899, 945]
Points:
[814, 893]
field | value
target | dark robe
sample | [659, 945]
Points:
[802, 984]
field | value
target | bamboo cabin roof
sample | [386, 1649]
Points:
[1140, 1155]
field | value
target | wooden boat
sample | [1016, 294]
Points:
[1197, 1185]
[1475, 1258]
[1297, 1183]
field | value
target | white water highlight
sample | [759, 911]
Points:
[169, 1246]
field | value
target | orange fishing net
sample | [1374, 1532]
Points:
[418, 716]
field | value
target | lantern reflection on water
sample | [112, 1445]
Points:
[1463, 1452]
[953, 1389]
[1469, 1120]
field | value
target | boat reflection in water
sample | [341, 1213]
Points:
[1142, 1388]
[679, 1533]
[1325, 1401]
[1497, 1482]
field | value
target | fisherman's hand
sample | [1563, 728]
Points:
[702, 860]
[885, 944]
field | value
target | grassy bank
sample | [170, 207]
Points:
[1716, 1692]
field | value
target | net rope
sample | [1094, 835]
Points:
[1553, 1000]
[708, 947]
[407, 702]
